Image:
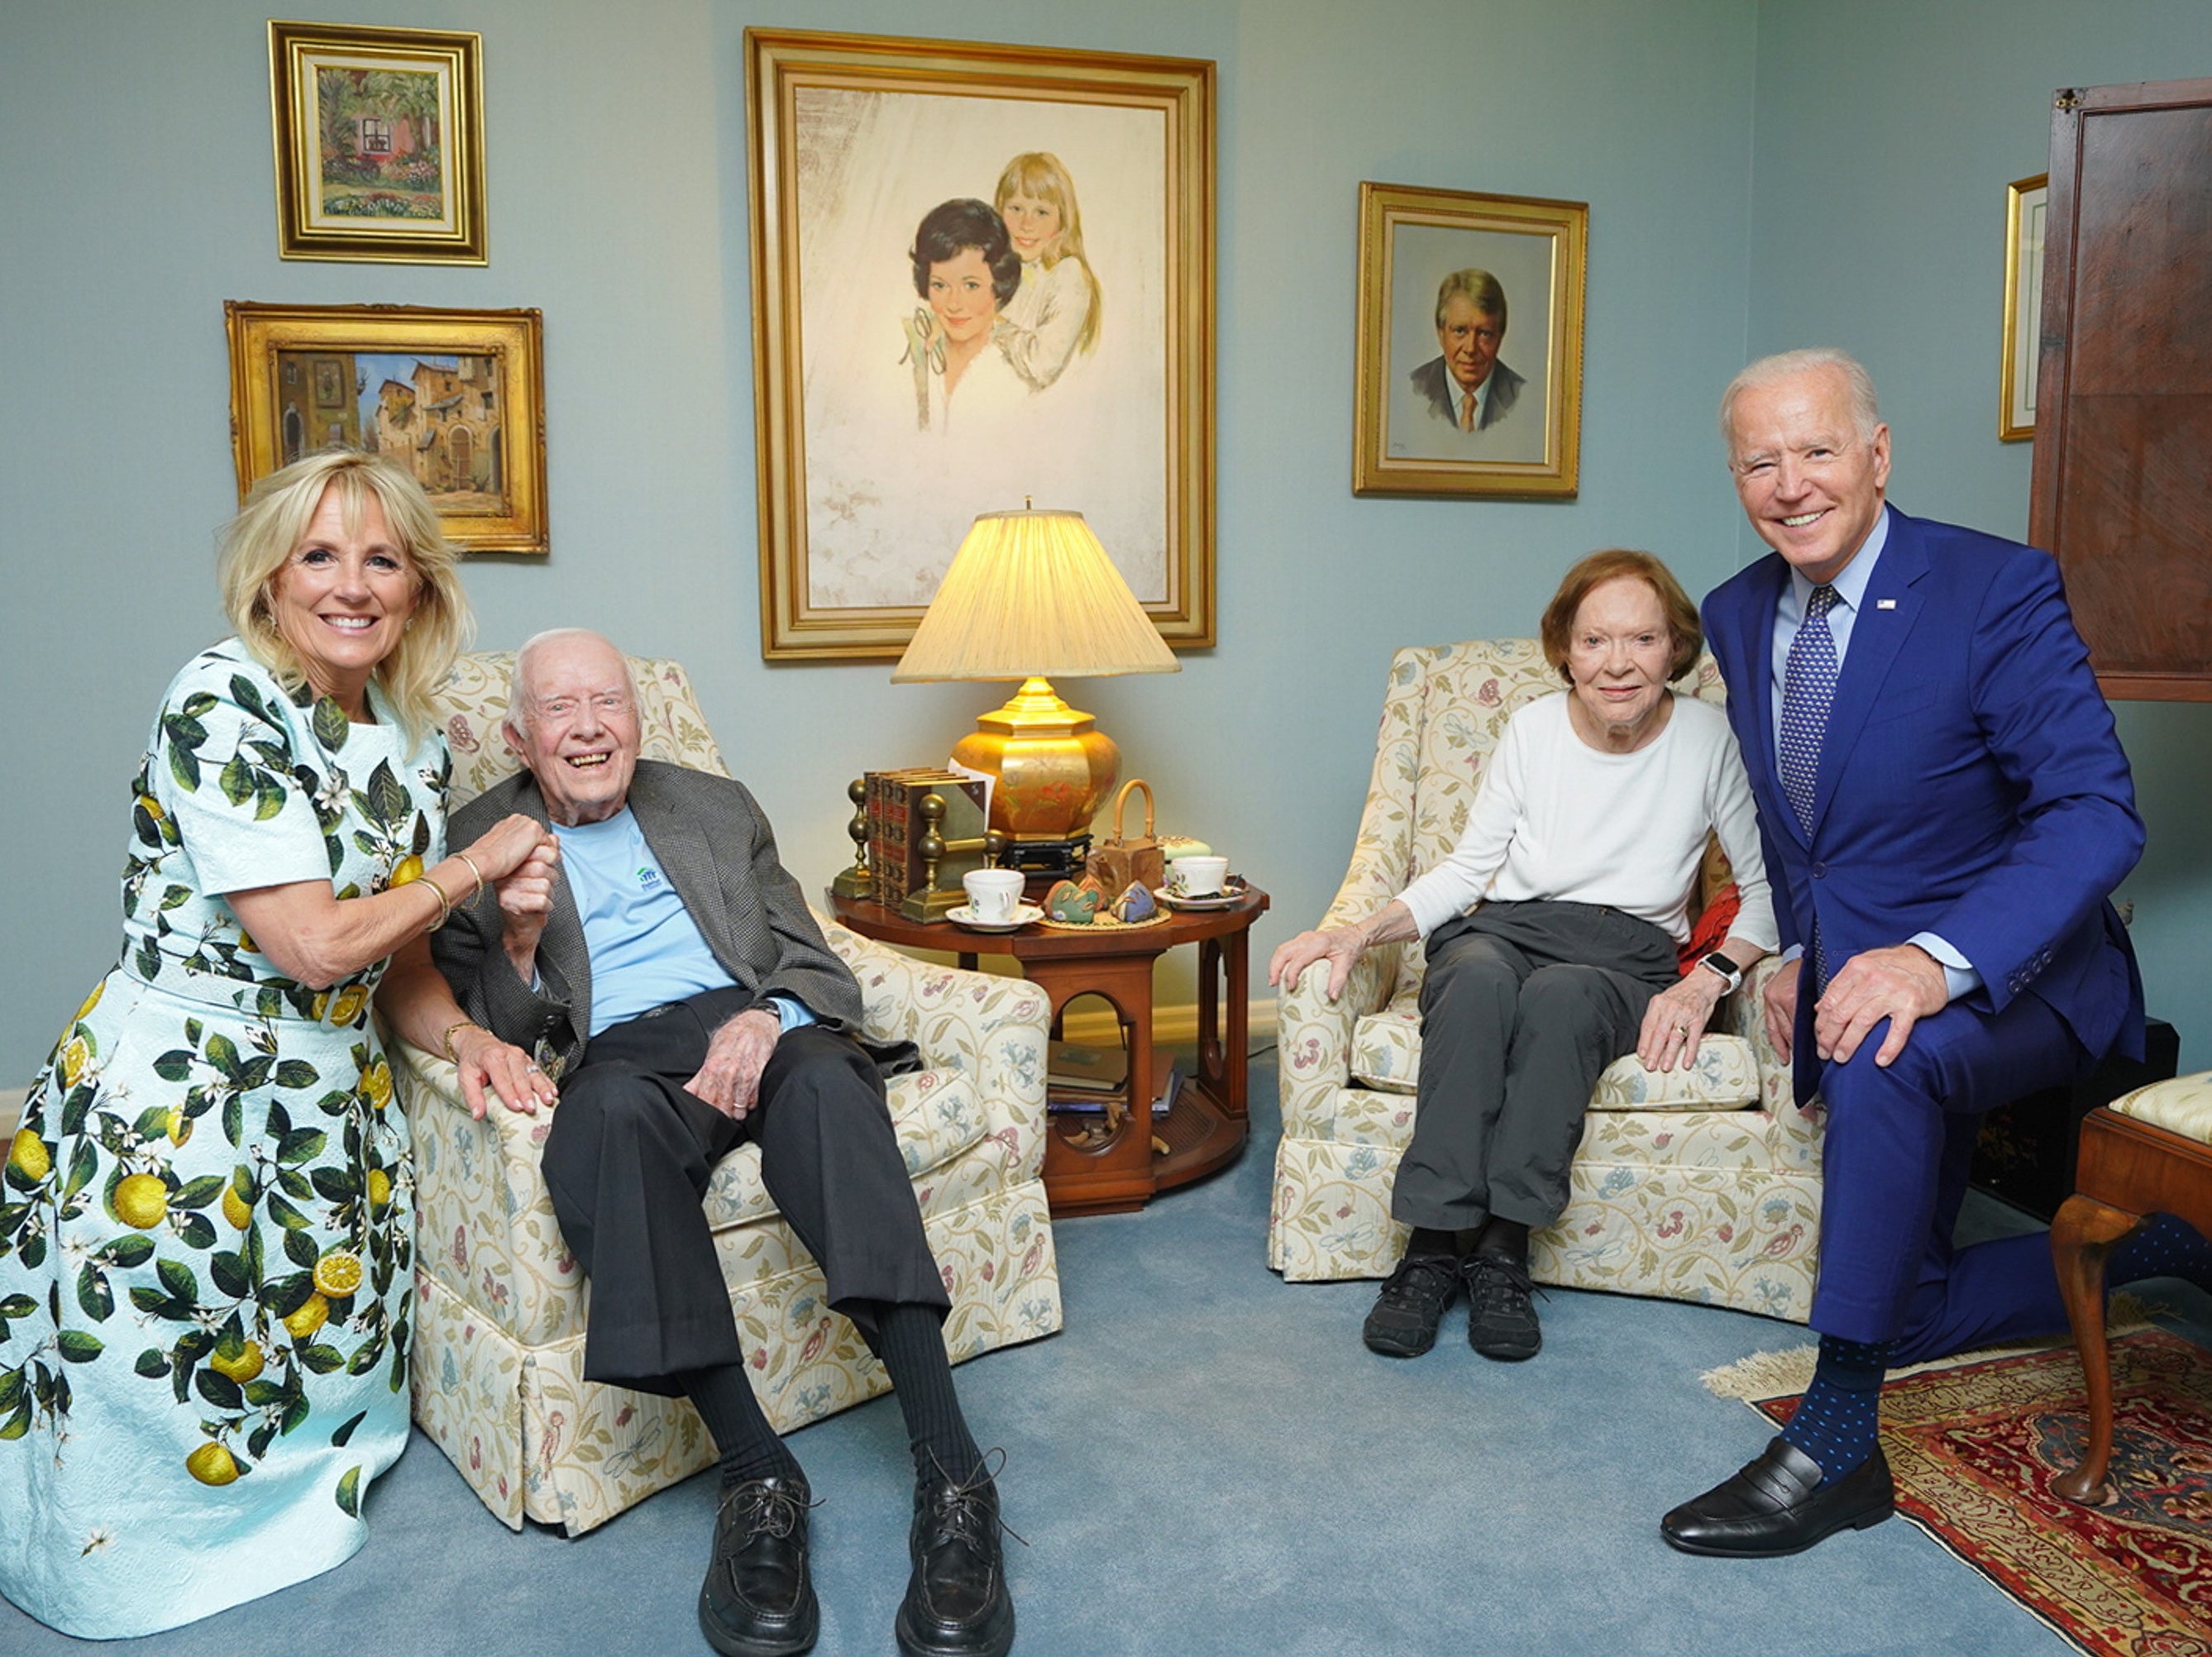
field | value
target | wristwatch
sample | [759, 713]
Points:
[1731, 974]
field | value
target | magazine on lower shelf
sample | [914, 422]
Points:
[1071, 1087]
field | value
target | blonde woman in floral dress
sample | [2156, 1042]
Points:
[206, 1248]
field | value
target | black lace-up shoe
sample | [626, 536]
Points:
[957, 1603]
[1501, 1317]
[1403, 1324]
[758, 1598]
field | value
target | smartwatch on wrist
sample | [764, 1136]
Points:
[1731, 974]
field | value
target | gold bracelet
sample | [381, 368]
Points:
[473, 870]
[446, 1040]
[444, 903]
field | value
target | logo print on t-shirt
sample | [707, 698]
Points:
[647, 877]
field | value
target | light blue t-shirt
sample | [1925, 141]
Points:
[645, 949]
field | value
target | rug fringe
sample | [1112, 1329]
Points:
[1778, 1375]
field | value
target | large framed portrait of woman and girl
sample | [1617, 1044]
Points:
[982, 278]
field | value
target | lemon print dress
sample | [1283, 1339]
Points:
[206, 1251]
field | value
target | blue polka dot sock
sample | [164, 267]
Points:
[2163, 1246]
[1837, 1422]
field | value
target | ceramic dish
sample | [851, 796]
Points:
[1232, 891]
[965, 916]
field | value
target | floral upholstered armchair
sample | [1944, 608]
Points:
[1701, 1185]
[499, 1305]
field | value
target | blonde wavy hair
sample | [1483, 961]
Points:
[255, 546]
[1038, 173]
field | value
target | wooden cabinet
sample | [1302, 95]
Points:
[2123, 479]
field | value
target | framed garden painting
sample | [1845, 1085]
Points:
[1468, 375]
[983, 276]
[379, 143]
[456, 397]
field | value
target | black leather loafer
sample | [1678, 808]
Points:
[957, 1603]
[1777, 1505]
[1413, 1302]
[758, 1597]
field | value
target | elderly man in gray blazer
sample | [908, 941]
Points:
[656, 959]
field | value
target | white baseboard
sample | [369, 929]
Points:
[1097, 1026]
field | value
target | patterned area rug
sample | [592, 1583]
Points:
[1975, 1443]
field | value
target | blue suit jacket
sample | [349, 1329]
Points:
[1971, 782]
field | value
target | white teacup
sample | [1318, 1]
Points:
[1197, 876]
[993, 895]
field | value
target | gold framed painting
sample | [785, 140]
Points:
[2026, 202]
[983, 277]
[379, 143]
[456, 397]
[1468, 372]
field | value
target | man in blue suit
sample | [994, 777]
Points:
[1946, 809]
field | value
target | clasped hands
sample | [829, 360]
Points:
[1902, 983]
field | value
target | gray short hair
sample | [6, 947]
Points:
[1866, 413]
[518, 704]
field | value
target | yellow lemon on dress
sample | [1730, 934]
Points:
[235, 1212]
[380, 1189]
[90, 1002]
[242, 1369]
[347, 1004]
[142, 1201]
[338, 1274]
[28, 1153]
[212, 1464]
[314, 1311]
[180, 1126]
[74, 1056]
[410, 870]
[376, 1083]
[246, 944]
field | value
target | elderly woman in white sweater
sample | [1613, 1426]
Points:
[1554, 932]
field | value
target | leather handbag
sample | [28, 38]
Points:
[1122, 859]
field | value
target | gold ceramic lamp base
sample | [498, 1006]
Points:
[1052, 764]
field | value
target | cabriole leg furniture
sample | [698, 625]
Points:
[2146, 1153]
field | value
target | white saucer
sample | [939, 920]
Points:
[1230, 894]
[965, 916]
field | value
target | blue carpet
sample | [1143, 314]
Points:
[1209, 1462]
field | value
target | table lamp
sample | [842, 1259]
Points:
[1032, 594]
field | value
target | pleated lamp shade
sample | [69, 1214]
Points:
[1031, 594]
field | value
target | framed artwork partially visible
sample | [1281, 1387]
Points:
[456, 397]
[379, 143]
[2025, 203]
[1468, 375]
[983, 277]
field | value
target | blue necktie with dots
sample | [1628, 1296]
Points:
[1808, 686]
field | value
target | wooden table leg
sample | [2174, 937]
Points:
[2081, 1236]
[1116, 1176]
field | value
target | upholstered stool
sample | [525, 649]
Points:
[2148, 1152]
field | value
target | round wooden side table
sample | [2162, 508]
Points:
[1206, 1126]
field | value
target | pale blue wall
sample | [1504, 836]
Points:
[139, 199]
[1887, 133]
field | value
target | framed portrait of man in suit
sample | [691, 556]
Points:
[1469, 364]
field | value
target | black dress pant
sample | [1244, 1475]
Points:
[629, 1156]
[1523, 1006]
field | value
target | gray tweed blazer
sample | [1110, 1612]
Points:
[715, 845]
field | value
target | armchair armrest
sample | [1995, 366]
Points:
[1744, 1014]
[992, 1027]
[1313, 1033]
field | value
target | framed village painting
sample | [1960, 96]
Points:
[982, 278]
[379, 143]
[456, 397]
[1469, 363]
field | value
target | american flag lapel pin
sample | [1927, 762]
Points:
[1885, 604]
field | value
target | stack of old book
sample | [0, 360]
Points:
[896, 827]
[1083, 1080]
